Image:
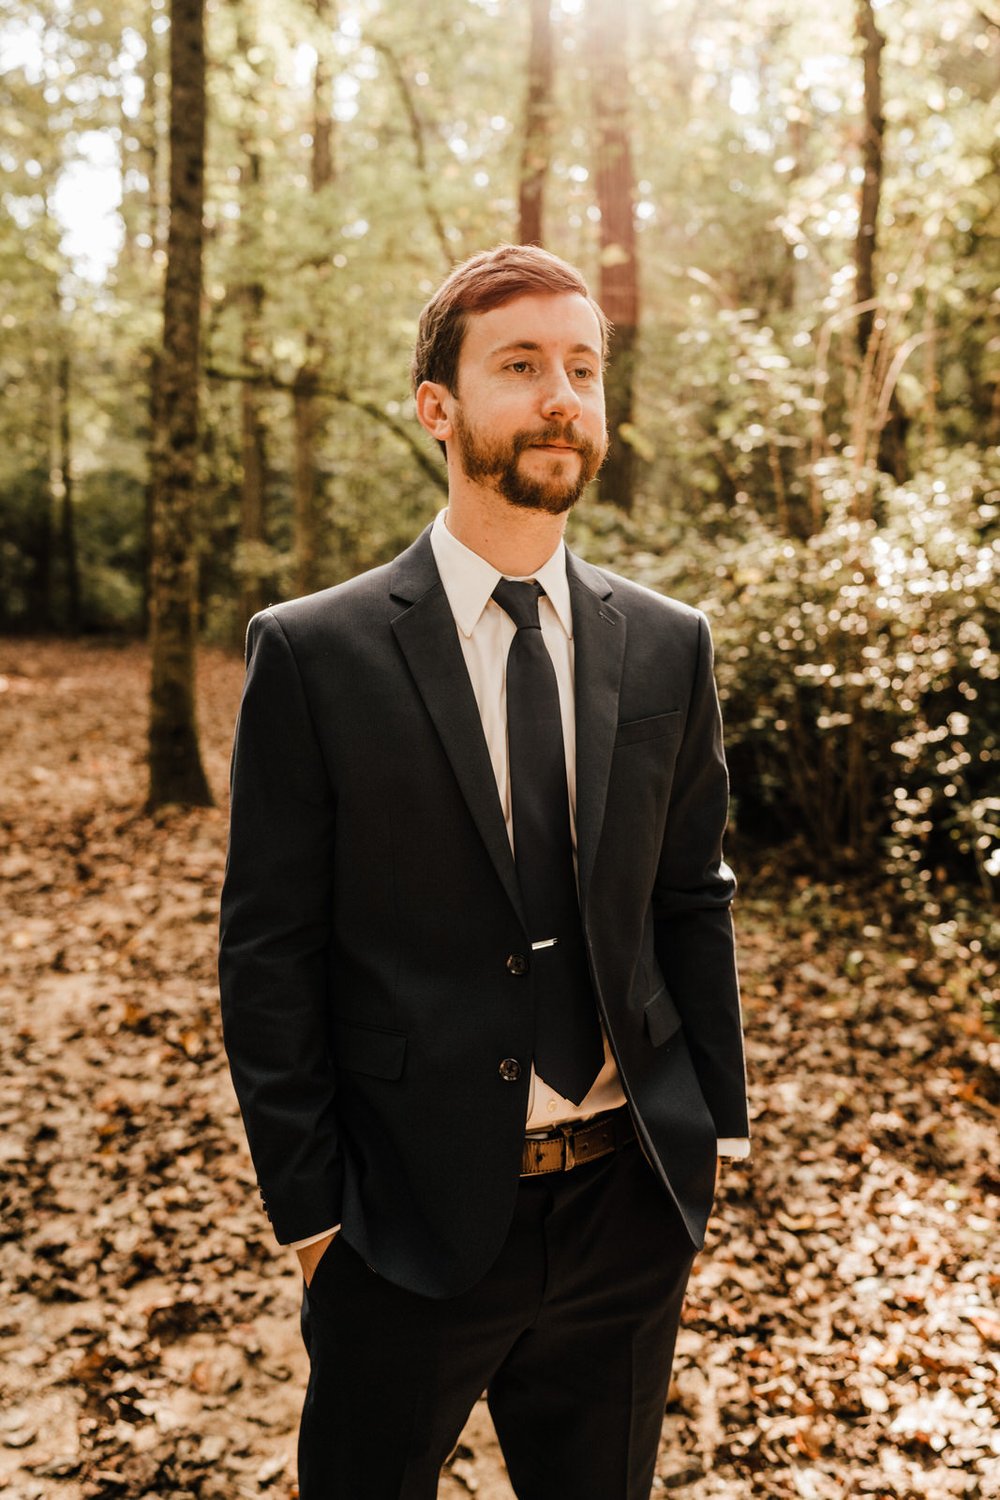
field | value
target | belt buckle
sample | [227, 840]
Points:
[569, 1149]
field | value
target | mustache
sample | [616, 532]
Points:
[556, 432]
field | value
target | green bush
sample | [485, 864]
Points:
[856, 667]
[111, 550]
[27, 565]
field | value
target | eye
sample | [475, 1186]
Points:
[519, 366]
[583, 372]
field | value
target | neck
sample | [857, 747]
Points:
[512, 539]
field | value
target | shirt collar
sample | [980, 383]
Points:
[469, 580]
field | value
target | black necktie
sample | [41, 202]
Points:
[568, 1047]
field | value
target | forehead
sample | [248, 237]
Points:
[560, 323]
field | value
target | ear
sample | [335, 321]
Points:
[433, 408]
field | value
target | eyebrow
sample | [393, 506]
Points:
[535, 348]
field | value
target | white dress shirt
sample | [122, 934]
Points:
[485, 632]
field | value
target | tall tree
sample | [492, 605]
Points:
[425, 176]
[254, 569]
[306, 414]
[146, 213]
[322, 132]
[619, 278]
[873, 132]
[175, 768]
[536, 149]
[873, 330]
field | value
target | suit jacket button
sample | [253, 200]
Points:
[510, 1070]
[517, 964]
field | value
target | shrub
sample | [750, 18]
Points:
[856, 668]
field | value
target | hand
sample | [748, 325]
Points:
[311, 1255]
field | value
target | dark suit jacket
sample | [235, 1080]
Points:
[371, 911]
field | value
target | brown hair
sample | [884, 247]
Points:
[479, 284]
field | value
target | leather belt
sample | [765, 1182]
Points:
[576, 1143]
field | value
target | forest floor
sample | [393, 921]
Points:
[841, 1336]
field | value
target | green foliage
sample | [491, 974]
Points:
[858, 667]
[110, 538]
[111, 545]
[25, 553]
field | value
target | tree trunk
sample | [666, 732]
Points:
[39, 612]
[871, 156]
[306, 414]
[149, 128]
[872, 340]
[63, 485]
[322, 133]
[306, 497]
[254, 571]
[175, 770]
[306, 519]
[537, 147]
[425, 176]
[619, 282]
[253, 581]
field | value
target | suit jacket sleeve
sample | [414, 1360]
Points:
[275, 937]
[691, 901]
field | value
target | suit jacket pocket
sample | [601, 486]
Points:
[662, 1017]
[648, 729]
[366, 1049]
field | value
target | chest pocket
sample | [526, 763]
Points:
[657, 727]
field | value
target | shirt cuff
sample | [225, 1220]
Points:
[313, 1239]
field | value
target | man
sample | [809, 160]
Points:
[478, 983]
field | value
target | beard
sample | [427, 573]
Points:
[497, 461]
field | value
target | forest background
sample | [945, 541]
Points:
[791, 215]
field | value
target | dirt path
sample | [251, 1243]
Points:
[841, 1336]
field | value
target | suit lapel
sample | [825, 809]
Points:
[428, 639]
[599, 636]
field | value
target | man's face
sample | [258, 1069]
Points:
[528, 417]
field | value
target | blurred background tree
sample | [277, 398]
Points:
[175, 770]
[794, 213]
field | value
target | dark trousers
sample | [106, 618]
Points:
[571, 1333]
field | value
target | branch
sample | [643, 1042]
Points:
[337, 393]
[430, 468]
[417, 134]
[889, 383]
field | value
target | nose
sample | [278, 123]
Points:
[559, 398]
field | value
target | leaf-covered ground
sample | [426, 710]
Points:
[841, 1337]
